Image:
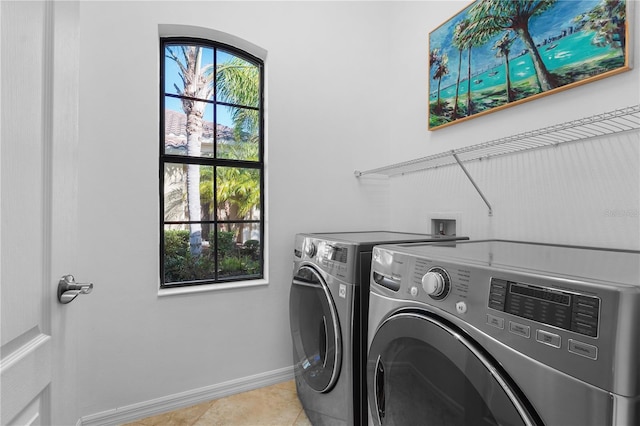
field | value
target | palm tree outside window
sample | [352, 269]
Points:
[211, 163]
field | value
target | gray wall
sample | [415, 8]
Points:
[326, 107]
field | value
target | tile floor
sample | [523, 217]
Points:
[275, 405]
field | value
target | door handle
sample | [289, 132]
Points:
[69, 289]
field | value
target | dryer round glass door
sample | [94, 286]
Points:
[315, 330]
[421, 370]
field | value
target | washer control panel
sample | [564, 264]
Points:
[570, 311]
[577, 323]
[423, 280]
[505, 306]
[334, 257]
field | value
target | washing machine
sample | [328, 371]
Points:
[328, 318]
[504, 333]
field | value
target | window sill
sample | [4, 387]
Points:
[210, 287]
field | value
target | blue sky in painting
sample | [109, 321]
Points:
[549, 24]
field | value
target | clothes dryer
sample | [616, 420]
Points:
[328, 317]
[504, 333]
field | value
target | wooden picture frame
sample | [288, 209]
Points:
[498, 53]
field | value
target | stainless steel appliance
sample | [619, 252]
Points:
[504, 333]
[328, 316]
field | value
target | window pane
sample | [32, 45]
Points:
[238, 192]
[192, 65]
[181, 262]
[206, 138]
[176, 192]
[239, 250]
[195, 139]
[237, 81]
[242, 139]
[175, 136]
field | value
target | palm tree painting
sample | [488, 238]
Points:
[504, 52]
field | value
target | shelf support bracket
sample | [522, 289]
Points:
[464, 169]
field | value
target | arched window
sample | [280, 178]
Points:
[211, 163]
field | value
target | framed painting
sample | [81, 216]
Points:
[498, 53]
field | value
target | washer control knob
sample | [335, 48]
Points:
[436, 283]
[433, 283]
[461, 307]
[414, 291]
[310, 249]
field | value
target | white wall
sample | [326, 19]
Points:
[326, 99]
[586, 193]
[346, 90]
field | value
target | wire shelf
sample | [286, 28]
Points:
[608, 123]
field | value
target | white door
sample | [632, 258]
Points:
[38, 131]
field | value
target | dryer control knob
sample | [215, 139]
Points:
[310, 249]
[436, 283]
[433, 283]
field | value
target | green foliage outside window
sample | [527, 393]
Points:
[233, 259]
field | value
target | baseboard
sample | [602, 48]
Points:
[133, 412]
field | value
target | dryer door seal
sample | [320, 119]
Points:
[315, 330]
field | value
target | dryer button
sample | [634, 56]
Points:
[583, 349]
[548, 338]
[342, 291]
[519, 329]
[495, 321]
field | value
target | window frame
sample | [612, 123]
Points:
[213, 162]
